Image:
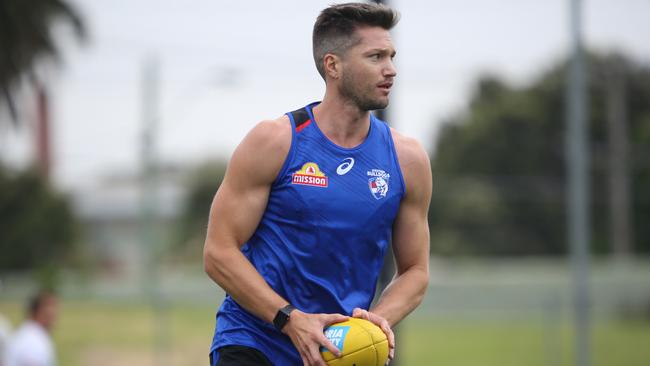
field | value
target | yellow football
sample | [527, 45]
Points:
[361, 344]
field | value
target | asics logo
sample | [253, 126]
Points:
[345, 166]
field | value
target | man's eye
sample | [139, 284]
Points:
[374, 56]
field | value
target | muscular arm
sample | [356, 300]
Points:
[410, 236]
[236, 211]
[410, 243]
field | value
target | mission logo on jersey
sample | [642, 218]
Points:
[309, 175]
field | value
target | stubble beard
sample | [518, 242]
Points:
[360, 94]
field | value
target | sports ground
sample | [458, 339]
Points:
[504, 313]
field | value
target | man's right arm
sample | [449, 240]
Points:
[235, 213]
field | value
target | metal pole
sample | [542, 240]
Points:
[620, 230]
[578, 189]
[149, 209]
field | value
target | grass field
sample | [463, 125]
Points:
[111, 334]
[467, 343]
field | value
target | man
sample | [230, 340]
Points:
[31, 345]
[299, 227]
[5, 331]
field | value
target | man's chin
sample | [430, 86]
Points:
[380, 105]
[377, 103]
[372, 104]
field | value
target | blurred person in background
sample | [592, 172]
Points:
[31, 344]
[5, 331]
[309, 203]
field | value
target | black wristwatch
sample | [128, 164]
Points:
[282, 317]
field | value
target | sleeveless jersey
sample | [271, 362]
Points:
[322, 238]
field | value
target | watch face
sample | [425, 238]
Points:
[282, 317]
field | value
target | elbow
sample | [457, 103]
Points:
[219, 261]
[423, 280]
[211, 261]
[207, 261]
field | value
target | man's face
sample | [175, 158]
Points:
[47, 313]
[368, 69]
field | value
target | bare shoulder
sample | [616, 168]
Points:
[263, 151]
[410, 152]
[414, 161]
[271, 135]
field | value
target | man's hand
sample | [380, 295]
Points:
[306, 333]
[381, 323]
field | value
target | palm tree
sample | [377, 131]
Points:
[26, 38]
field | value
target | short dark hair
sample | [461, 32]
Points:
[37, 301]
[335, 26]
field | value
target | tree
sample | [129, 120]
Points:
[193, 221]
[499, 167]
[37, 227]
[26, 37]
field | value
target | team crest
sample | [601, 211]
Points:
[309, 175]
[378, 183]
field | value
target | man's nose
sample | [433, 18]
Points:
[390, 70]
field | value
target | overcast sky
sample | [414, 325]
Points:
[225, 65]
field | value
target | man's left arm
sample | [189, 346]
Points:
[410, 242]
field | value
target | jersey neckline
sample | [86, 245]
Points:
[371, 130]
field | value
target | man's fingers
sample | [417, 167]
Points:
[306, 333]
[391, 348]
[312, 356]
[377, 319]
[330, 346]
[316, 358]
[360, 313]
[334, 318]
[389, 334]
[303, 351]
[382, 324]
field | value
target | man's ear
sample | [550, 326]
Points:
[332, 66]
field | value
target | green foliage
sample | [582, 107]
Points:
[37, 227]
[26, 37]
[203, 184]
[499, 167]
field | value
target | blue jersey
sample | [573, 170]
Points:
[321, 241]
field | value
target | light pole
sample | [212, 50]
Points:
[149, 195]
[578, 187]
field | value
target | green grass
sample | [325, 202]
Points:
[101, 334]
[460, 342]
